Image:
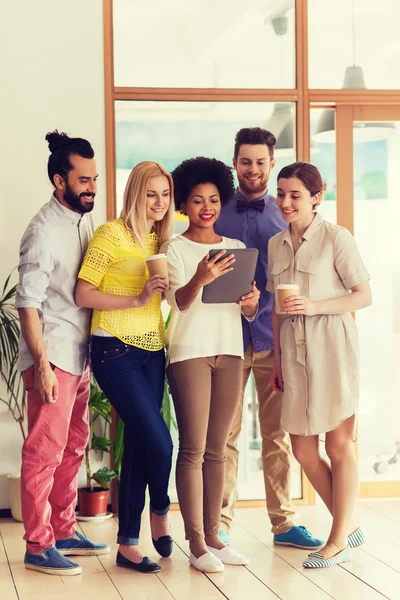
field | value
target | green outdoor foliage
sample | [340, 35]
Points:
[9, 335]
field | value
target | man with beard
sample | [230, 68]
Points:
[253, 217]
[53, 358]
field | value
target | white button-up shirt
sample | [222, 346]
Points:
[51, 253]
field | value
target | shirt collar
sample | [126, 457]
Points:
[312, 228]
[286, 239]
[239, 195]
[64, 212]
[309, 232]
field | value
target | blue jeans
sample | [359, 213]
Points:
[133, 381]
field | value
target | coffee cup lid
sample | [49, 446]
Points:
[287, 286]
[154, 256]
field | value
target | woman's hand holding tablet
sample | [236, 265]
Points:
[212, 267]
[239, 270]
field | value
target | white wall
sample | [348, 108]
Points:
[51, 76]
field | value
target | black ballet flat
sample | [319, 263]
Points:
[145, 566]
[164, 545]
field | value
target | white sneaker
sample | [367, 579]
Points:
[207, 563]
[229, 556]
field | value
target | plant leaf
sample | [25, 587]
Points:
[103, 476]
[166, 408]
[9, 329]
[168, 320]
[6, 284]
[101, 407]
[100, 444]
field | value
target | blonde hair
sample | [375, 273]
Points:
[134, 208]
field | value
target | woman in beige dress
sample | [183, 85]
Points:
[316, 349]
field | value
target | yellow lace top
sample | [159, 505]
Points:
[115, 264]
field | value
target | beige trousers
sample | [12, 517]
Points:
[276, 451]
[206, 393]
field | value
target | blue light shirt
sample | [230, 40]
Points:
[255, 229]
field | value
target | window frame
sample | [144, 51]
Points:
[346, 103]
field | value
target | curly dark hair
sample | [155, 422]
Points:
[193, 171]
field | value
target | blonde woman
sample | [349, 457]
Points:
[127, 350]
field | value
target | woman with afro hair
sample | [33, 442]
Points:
[205, 351]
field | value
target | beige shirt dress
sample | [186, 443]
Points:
[320, 353]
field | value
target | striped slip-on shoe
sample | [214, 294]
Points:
[317, 561]
[357, 538]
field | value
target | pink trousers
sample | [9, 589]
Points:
[51, 457]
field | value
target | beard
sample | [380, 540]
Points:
[78, 202]
[256, 187]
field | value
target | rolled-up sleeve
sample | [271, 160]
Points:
[36, 264]
[270, 287]
[176, 275]
[348, 262]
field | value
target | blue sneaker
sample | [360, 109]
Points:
[224, 537]
[298, 537]
[81, 546]
[50, 561]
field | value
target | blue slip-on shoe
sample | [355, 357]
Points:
[315, 560]
[79, 545]
[50, 561]
[298, 537]
[223, 536]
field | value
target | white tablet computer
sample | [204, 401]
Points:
[235, 284]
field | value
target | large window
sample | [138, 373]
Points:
[375, 204]
[354, 44]
[188, 75]
[207, 44]
[170, 132]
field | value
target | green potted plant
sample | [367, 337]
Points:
[12, 380]
[93, 499]
[9, 336]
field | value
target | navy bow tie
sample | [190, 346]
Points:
[243, 205]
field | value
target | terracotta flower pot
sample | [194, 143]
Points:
[15, 495]
[92, 503]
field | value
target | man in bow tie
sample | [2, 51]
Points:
[252, 216]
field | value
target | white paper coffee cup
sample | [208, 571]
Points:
[283, 291]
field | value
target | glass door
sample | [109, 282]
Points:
[368, 159]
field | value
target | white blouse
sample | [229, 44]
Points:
[203, 329]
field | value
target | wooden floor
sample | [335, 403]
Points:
[273, 572]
